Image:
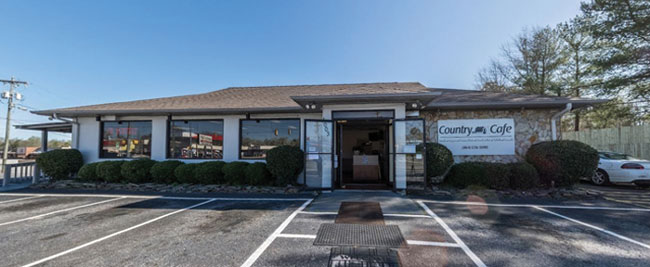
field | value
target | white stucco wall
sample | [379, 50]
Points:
[89, 133]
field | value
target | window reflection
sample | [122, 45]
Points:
[196, 139]
[259, 136]
[126, 139]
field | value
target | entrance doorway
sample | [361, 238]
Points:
[363, 152]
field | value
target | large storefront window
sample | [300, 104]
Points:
[126, 139]
[259, 136]
[196, 139]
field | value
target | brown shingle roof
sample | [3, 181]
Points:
[472, 99]
[271, 98]
[235, 100]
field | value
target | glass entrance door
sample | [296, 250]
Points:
[409, 153]
[319, 140]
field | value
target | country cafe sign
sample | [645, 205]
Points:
[478, 137]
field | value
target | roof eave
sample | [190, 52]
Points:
[581, 103]
[164, 112]
[422, 97]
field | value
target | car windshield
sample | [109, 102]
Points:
[609, 155]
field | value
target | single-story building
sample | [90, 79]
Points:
[368, 135]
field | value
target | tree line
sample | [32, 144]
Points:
[602, 52]
[34, 141]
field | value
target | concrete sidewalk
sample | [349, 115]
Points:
[14, 186]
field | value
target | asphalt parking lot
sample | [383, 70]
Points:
[129, 230]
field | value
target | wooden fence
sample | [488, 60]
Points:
[631, 140]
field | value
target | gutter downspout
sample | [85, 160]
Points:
[76, 140]
[556, 116]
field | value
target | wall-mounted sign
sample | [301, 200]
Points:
[478, 137]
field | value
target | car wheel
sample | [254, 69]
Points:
[600, 177]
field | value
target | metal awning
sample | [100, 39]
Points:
[62, 127]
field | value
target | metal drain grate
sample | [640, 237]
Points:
[363, 235]
[363, 257]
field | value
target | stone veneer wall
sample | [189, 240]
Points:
[531, 126]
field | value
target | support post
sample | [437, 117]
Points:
[7, 176]
[44, 141]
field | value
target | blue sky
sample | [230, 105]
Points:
[87, 52]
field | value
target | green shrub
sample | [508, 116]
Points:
[110, 171]
[562, 162]
[235, 172]
[88, 172]
[523, 176]
[184, 173]
[492, 175]
[497, 175]
[257, 174]
[439, 159]
[137, 170]
[285, 164]
[60, 163]
[163, 172]
[466, 173]
[210, 172]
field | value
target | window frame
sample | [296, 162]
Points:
[239, 144]
[101, 136]
[167, 139]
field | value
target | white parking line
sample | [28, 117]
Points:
[453, 235]
[297, 236]
[258, 252]
[594, 227]
[386, 214]
[19, 199]
[431, 243]
[320, 212]
[114, 234]
[410, 242]
[532, 205]
[407, 215]
[59, 211]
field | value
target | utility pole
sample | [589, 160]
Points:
[10, 105]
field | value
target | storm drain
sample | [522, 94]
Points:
[363, 257]
[362, 235]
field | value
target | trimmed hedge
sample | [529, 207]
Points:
[60, 163]
[492, 175]
[209, 172]
[110, 171]
[163, 171]
[137, 170]
[257, 174]
[523, 176]
[562, 162]
[497, 175]
[439, 159]
[88, 172]
[235, 172]
[185, 173]
[465, 174]
[285, 163]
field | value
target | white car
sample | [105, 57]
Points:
[621, 168]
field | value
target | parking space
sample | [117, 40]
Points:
[111, 230]
[529, 235]
[136, 231]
